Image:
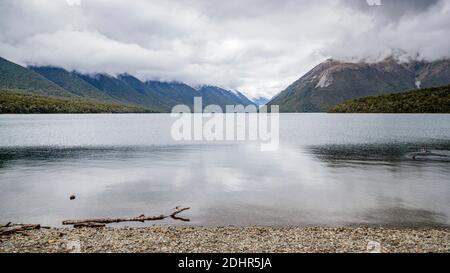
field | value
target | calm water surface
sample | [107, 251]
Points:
[329, 170]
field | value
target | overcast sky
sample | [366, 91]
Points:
[256, 46]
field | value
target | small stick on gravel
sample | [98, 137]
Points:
[7, 225]
[11, 228]
[142, 218]
[179, 210]
[90, 225]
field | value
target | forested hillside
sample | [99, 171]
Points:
[430, 100]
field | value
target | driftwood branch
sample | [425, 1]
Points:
[16, 228]
[141, 218]
[7, 225]
[101, 222]
[87, 224]
[178, 211]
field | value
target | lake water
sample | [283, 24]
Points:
[329, 170]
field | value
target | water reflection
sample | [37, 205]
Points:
[388, 152]
[330, 170]
[404, 217]
[224, 184]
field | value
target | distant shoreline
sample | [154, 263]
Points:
[16, 103]
[164, 113]
[423, 101]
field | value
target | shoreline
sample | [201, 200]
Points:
[158, 239]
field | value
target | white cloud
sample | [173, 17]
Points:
[257, 46]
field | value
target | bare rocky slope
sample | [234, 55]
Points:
[333, 82]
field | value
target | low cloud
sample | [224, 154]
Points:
[257, 46]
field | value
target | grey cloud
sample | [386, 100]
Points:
[393, 11]
[394, 8]
[399, 27]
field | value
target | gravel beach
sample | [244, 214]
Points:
[229, 239]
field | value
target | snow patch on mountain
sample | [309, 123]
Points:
[261, 101]
[418, 83]
[325, 81]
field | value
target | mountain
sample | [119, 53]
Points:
[333, 82]
[156, 95]
[156, 100]
[173, 93]
[431, 100]
[163, 96]
[16, 78]
[115, 88]
[126, 90]
[433, 74]
[71, 82]
[242, 98]
[221, 97]
[261, 101]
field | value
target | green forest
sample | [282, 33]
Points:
[430, 100]
[29, 104]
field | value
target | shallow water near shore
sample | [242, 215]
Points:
[330, 170]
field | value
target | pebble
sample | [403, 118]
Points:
[230, 239]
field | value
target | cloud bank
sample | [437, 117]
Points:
[256, 46]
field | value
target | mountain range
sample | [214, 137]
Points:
[123, 89]
[261, 101]
[333, 82]
[325, 86]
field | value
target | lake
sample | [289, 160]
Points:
[329, 170]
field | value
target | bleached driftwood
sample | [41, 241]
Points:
[178, 211]
[100, 222]
[16, 228]
[88, 224]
